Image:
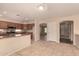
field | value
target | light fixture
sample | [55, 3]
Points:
[4, 12]
[1, 15]
[42, 7]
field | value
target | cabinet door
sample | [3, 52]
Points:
[24, 26]
[3, 25]
[19, 26]
[10, 24]
[30, 26]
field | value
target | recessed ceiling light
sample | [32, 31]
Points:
[42, 7]
[1, 15]
[4, 12]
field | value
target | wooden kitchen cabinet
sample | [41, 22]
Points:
[10, 24]
[18, 26]
[3, 25]
[24, 26]
[29, 26]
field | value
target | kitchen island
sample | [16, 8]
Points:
[10, 45]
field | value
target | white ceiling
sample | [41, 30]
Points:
[29, 11]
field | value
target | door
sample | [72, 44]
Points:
[66, 31]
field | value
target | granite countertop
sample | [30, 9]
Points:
[16, 35]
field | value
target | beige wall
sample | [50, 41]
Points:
[74, 18]
[52, 31]
[52, 34]
[53, 27]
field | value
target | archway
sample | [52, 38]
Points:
[43, 31]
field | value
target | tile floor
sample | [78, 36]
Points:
[44, 48]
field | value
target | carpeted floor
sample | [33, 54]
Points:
[44, 48]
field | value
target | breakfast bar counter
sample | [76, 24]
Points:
[9, 45]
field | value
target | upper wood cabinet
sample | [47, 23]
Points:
[3, 25]
[18, 26]
[29, 26]
[24, 26]
[11, 24]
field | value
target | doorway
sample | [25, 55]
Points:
[66, 32]
[43, 31]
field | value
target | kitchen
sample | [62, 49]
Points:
[17, 33]
[17, 29]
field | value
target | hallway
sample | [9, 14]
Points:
[44, 48]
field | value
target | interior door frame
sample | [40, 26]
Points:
[73, 35]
